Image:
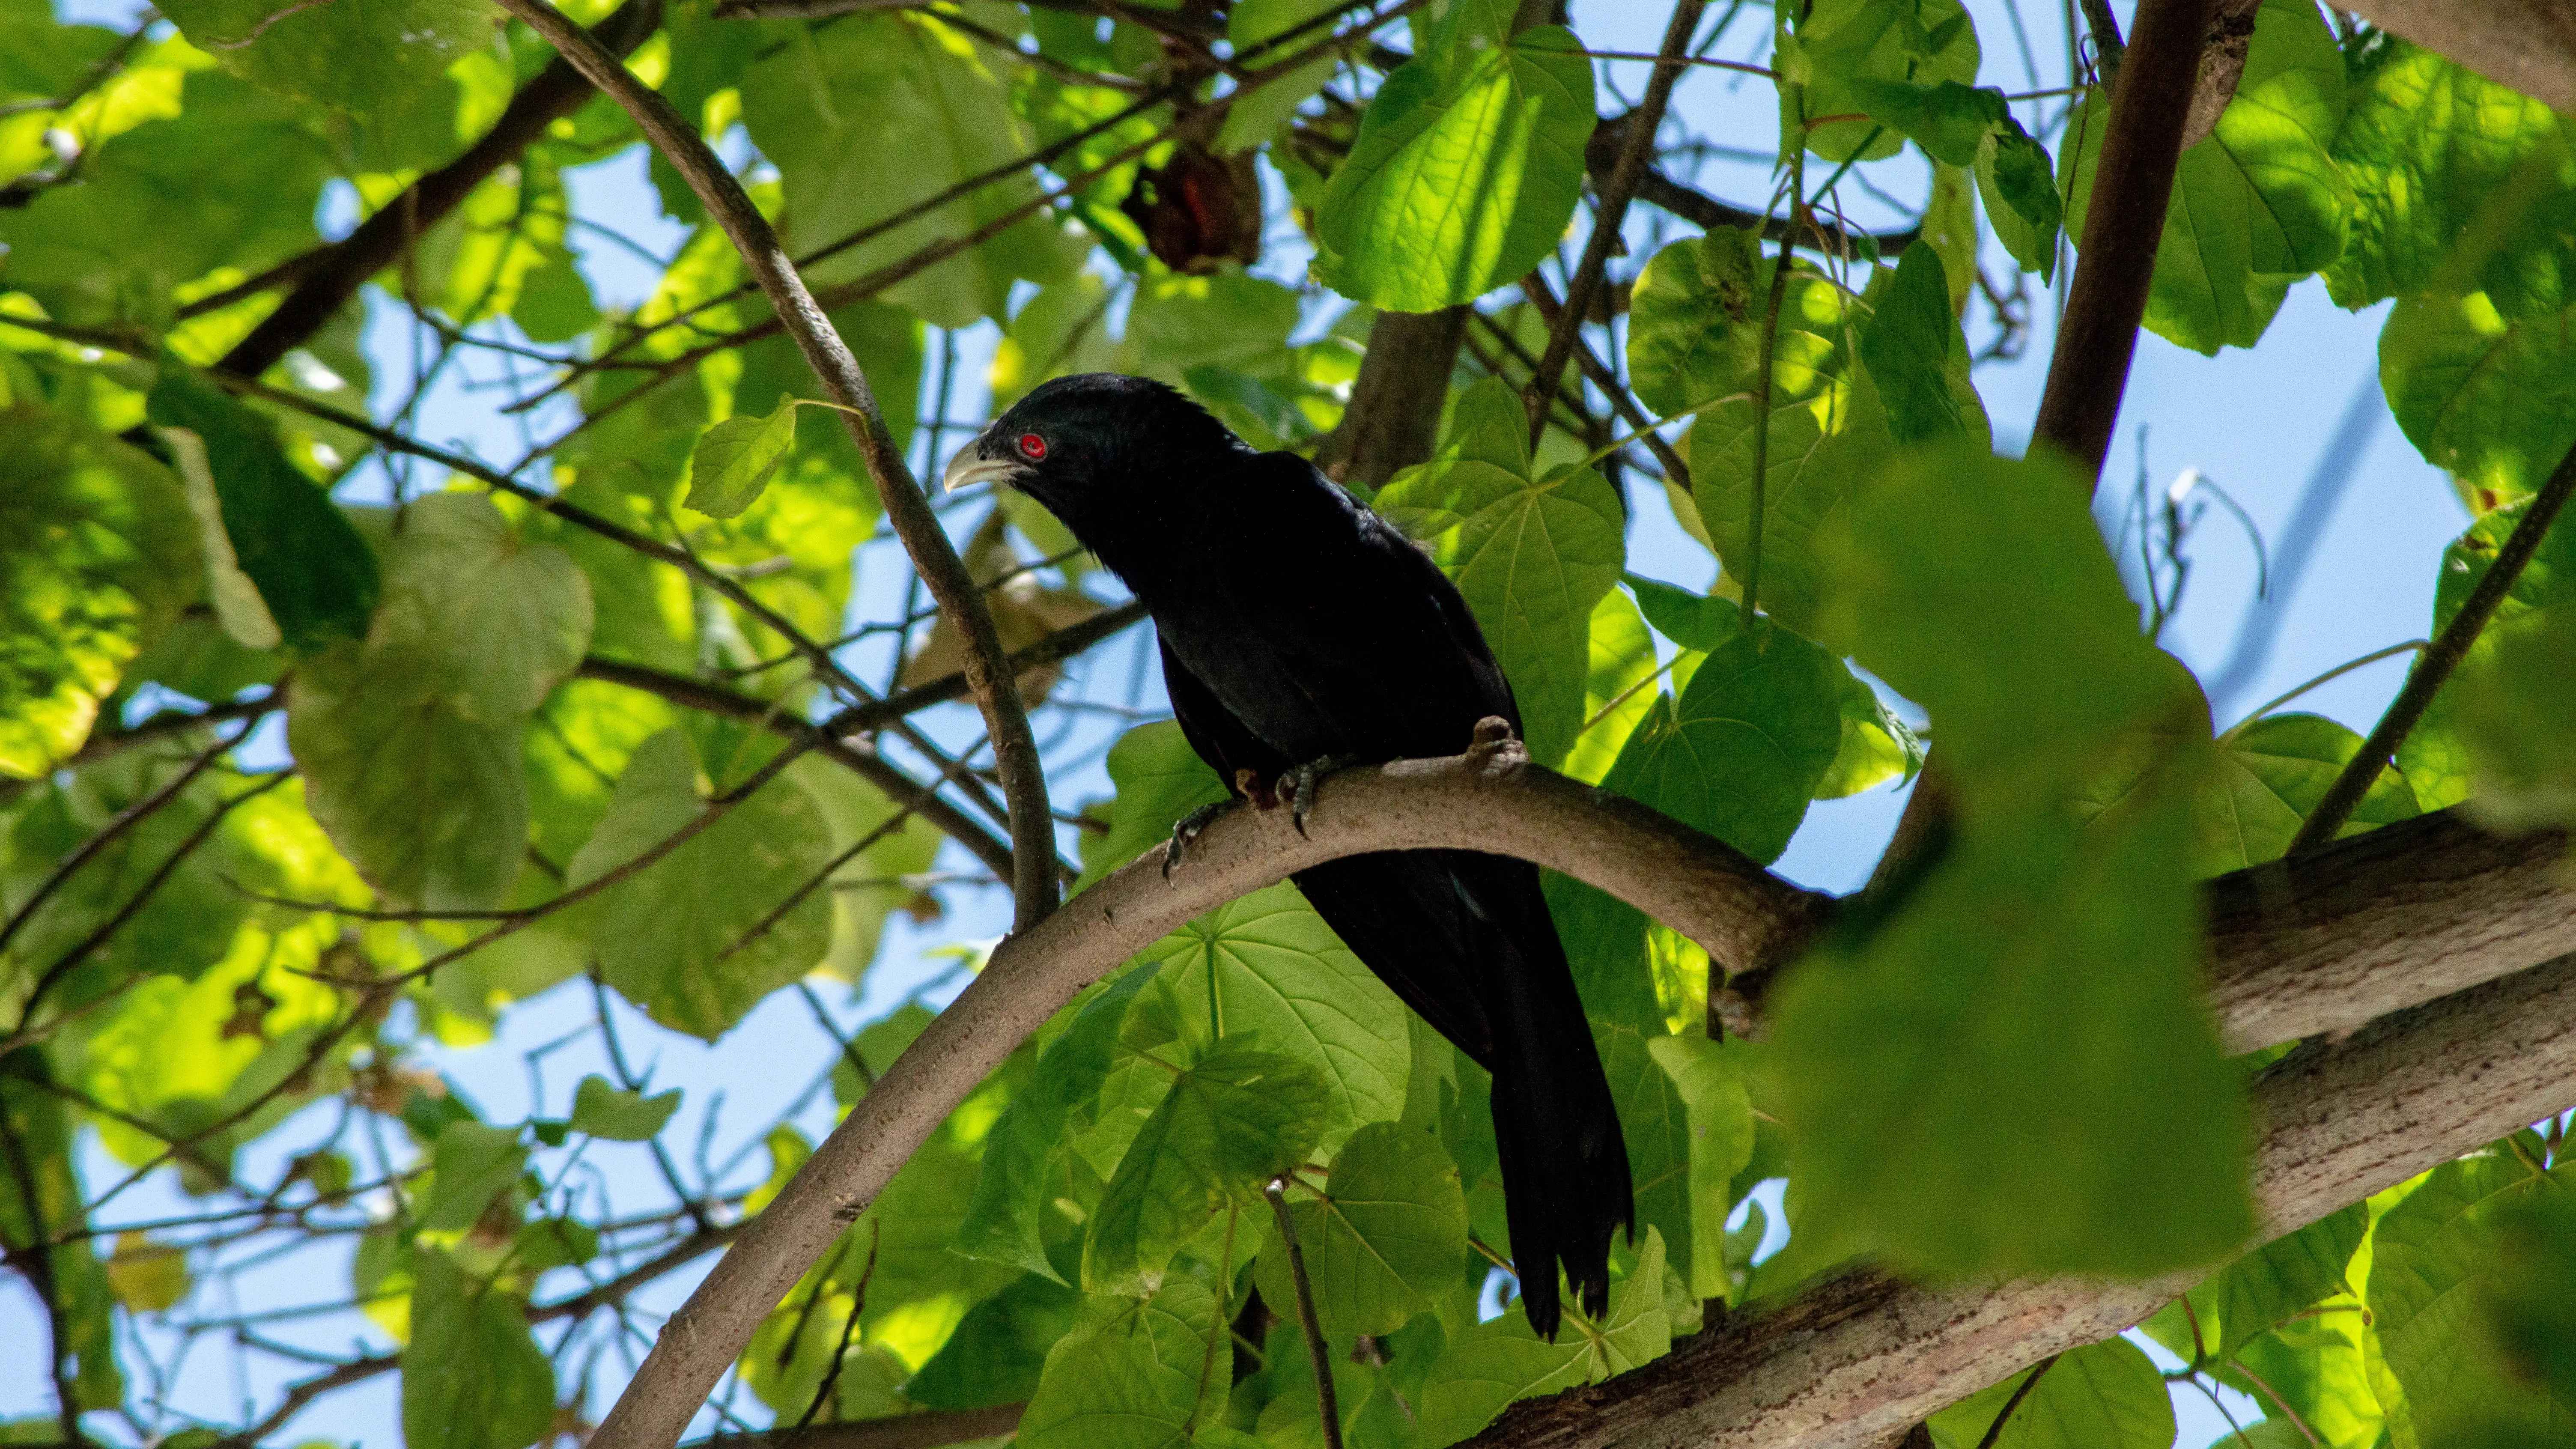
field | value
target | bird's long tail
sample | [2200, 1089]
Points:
[1564, 1162]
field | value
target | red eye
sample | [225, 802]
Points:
[1032, 447]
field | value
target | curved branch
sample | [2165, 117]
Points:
[2324, 917]
[1852, 1362]
[997, 692]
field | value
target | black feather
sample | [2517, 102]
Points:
[1297, 625]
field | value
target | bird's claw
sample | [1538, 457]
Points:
[1297, 787]
[1186, 831]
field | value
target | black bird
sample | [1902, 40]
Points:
[1300, 628]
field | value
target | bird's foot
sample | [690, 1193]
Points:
[1297, 787]
[1185, 832]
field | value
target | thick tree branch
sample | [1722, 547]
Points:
[325, 279]
[1394, 415]
[1489, 799]
[903, 1431]
[996, 690]
[2529, 45]
[1855, 1360]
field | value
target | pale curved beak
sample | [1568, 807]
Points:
[970, 467]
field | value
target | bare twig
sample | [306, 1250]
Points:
[2435, 664]
[1326, 1401]
[1611, 209]
[996, 690]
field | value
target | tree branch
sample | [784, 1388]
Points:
[2529, 45]
[1855, 1360]
[326, 278]
[2122, 225]
[1490, 799]
[902, 1431]
[2435, 664]
[996, 690]
[1601, 156]
[1394, 415]
[695, 694]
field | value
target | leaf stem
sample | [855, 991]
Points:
[2330, 676]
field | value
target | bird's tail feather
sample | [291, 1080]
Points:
[1564, 1161]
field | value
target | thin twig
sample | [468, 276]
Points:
[1612, 209]
[2021, 1391]
[2435, 664]
[1277, 1191]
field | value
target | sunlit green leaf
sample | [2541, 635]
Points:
[1384, 1237]
[1231, 1122]
[358, 57]
[1460, 181]
[2099, 1394]
[472, 1375]
[2489, 399]
[613, 1112]
[1838, 42]
[1132, 1375]
[736, 458]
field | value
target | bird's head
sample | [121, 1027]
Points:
[1101, 450]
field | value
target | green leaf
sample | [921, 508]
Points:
[1159, 779]
[2531, 1298]
[357, 57]
[233, 184]
[1948, 120]
[2435, 757]
[1617, 692]
[410, 741]
[1265, 971]
[1841, 43]
[1230, 1123]
[1690, 317]
[1719, 1115]
[1463, 174]
[1484, 1369]
[2019, 188]
[475, 1164]
[1384, 1240]
[1639, 1327]
[1003, 1222]
[95, 558]
[2316, 1365]
[472, 1374]
[2489, 399]
[871, 886]
[999, 1349]
[2100, 1395]
[1132, 1375]
[1741, 753]
[1532, 556]
[1654, 1122]
[428, 803]
[736, 458]
[2435, 1256]
[489, 623]
[316, 578]
[1876, 746]
[1969, 1080]
[1229, 319]
[2257, 203]
[2517, 712]
[603, 1110]
[2264, 1289]
[691, 938]
[2272, 772]
[1918, 356]
[1964, 576]
[2435, 154]
[245, 619]
[1827, 430]
[1699, 622]
[873, 116]
[147, 1277]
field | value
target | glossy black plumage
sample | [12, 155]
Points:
[1297, 625]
